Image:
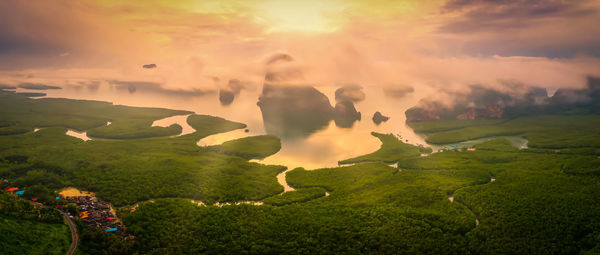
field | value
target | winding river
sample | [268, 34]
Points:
[177, 119]
[451, 198]
[318, 149]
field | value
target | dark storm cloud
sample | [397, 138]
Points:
[28, 39]
[18, 31]
[551, 28]
[149, 66]
[534, 6]
[506, 14]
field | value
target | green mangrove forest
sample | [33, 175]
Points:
[400, 199]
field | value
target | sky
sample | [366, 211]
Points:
[201, 45]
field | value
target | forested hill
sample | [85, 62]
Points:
[486, 103]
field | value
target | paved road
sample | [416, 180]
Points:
[74, 234]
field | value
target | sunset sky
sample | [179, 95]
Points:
[441, 44]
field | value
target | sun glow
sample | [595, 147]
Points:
[304, 16]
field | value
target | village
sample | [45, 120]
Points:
[97, 214]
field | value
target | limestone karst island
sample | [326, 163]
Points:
[299, 127]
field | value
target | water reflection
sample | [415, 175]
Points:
[223, 137]
[80, 135]
[77, 134]
[294, 126]
[294, 112]
[345, 114]
[179, 119]
[324, 148]
[516, 141]
[304, 144]
[281, 179]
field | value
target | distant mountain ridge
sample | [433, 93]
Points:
[484, 103]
